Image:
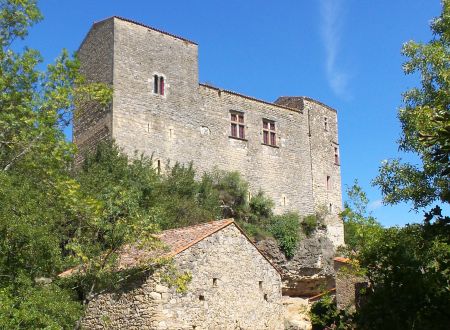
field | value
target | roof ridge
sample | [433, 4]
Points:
[196, 225]
[148, 27]
[248, 97]
[226, 222]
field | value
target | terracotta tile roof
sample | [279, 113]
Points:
[175, 241]
[342, 259]
[148, 27]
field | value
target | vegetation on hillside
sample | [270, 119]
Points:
[54, 217]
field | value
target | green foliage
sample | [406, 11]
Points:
[325, 315]
[286, 230]
[41, 204]
[425, 120]
[181, 200]
[361, 229]
[233, 193]
[309, 224]
[173, 278]
[44, 307]
[409, 272]
[260, 208]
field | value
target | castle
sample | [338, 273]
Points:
[289, 149]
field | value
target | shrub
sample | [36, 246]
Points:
[285, 228]
[325, 315]
[309, 224]
[260, 209]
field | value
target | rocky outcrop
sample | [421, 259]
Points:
[310, 271]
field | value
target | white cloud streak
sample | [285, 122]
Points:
[331, 14]
[375, 205]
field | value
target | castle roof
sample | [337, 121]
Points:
[148, 27]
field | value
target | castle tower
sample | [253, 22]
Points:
[288, 149]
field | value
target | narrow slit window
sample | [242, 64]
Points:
[269, 133]
[328, 182]
[260, 284]
[325, 123]
[159, 166]
[161, 85]
[158, 85]
[214, 282]
[155, 84]
[336, 156]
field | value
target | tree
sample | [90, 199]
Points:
[361, 229]
[39, 200]
[409, 275]
[425, 120]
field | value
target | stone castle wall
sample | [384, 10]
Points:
[233, 287]
[93, 124]
[191, 122]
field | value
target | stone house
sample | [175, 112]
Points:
[232, 286]
[287, 148]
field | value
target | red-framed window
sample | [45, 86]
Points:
[269, 132]
[161, 85]
[237, 125]
[158, 85]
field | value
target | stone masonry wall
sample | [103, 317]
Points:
[233, 287]
[325, 170]
[94, 124]
[191, 122]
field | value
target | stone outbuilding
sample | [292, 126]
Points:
[350, 286]
[232, 286]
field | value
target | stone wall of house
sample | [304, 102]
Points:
[233, 287]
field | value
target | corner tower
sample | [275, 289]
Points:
[155, 79]
[324, 160]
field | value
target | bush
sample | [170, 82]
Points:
[325, 315]
[285, 228]
[309, 224]
[260, 208]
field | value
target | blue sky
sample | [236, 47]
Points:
[345, 53]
